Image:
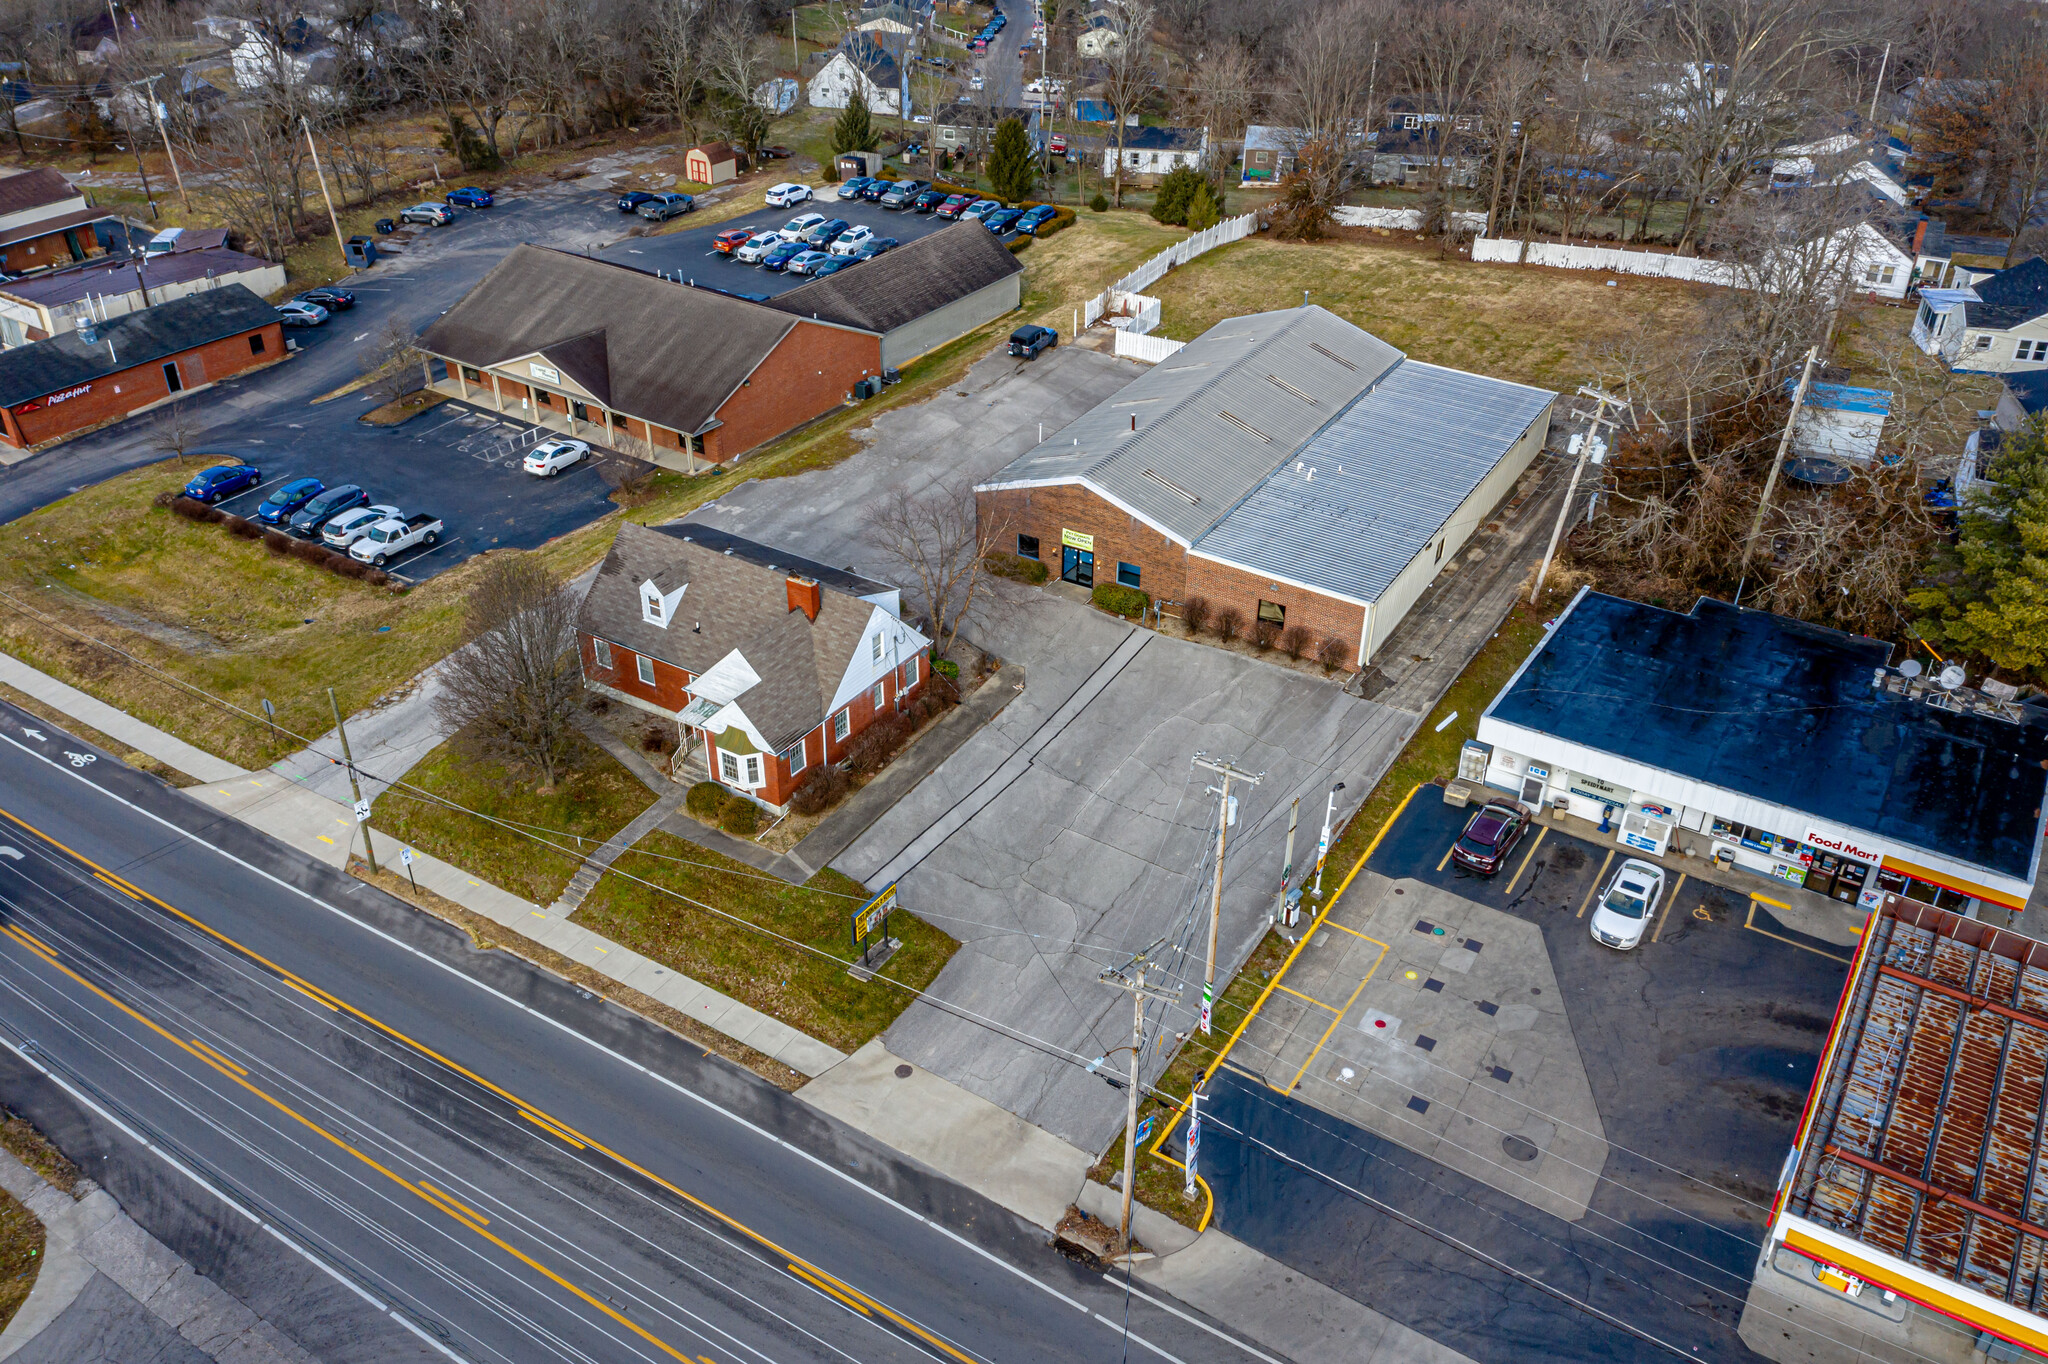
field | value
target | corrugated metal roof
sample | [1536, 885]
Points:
[1186, 441]
[1369, 492]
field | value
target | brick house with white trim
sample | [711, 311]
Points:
[772, 663]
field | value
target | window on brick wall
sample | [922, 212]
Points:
[910, 672]
[1127, 574]
[1272, 612]
[795, 757]
[601, 652]
[256, 343]
[646, 669]
[1027, 546]
[753, 770]
[880, 697]
[728, 767]
[840, 725]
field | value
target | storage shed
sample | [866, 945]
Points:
[714, 163]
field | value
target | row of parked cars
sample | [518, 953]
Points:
[341, 517]
[656, 208]
[808, 244]
[314, 306]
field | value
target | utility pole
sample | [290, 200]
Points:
[1784, 444]
[339, 244]
[1878, 89]
[1280, 911]
[355, 787]
[1323, 845]
[1585, 448]
[156, 107]
[1229, 771]
[1131, 976]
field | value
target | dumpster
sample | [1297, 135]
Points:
[385, 227]
[361, 252]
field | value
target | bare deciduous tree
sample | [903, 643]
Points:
[1322, 100]
[675, 41]
[510, 691]
[938, 542]
[1128, 75]
[393, 364]
[738, 60]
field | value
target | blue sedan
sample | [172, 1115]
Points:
[222, 480]
[781, 256]
[1002, 220]
[279, 506]
[469, 196]
[1033, 219]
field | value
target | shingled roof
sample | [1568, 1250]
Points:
[2010, 297]
[906, 283]
[131, 339]
[38, 188]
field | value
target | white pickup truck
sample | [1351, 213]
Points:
[395, 536]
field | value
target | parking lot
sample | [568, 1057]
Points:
[690, 254]
[1543, 1147]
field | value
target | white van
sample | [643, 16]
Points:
[164, 242]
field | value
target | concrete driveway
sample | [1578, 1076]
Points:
[1073, 830]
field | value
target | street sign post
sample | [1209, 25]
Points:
[405, 856]
[875, 913]
[1194, 1140]
[1208, 1002]
[362, 811]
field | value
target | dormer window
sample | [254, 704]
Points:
[658, 607]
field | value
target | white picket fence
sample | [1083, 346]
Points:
[1180, 253]
[1400, 219]
[1613, 259]
[1150, 349]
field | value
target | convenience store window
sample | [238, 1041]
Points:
[1926, 892]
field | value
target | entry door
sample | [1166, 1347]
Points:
[1077, 566]
[581, 412]
[171, 379]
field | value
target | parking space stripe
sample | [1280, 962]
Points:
[1750, 924]
[1670, 900]
[1541, 834]
[1309, 998]
[1595, 887]
[1356, 934]
[1447, 858]
[1370, 971]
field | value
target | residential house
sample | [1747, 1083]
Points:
[971, 128]
[1150, 153]
[1269, 153]
[862, 64]
[894, 19]
[45, 222]
[1416, 144]
[1102, 33]
[295, 56]
[769, 665]
[1998, 325]
[2022, 401]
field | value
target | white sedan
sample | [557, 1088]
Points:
[297, 314]
[1625, 908]
[553, 456]
[851, 240]
[787, 194]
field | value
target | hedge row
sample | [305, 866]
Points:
[277, 542]
[1121, 600]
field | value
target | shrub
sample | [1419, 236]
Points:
[1229, 622]
[1265, 633]
[1332, 653]
[1100, 203]
[1123, 601]
[702, 802]
[1170, 204]
[831, 171]
[739, 816]
[242, 526]
[823, 787]
[1195, 612]
[947, 669]
[657, 737]
[872, 748]
[277, 542]
[1204, 208]
[1062, 218]
[1018, 243]
[1295, 640]
[1015, 567]
[165, 498]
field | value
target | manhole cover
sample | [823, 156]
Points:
[1521, 1148]
[903, 1072]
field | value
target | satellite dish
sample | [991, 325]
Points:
[1910, 668]
[1951, 677]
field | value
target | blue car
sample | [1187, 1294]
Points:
[222, 480]
[831, 265]
[1002, 220]
[871, 248]
[279, 506]
[630, 201]
[469, 196]
[781, 256]
[1035, 218]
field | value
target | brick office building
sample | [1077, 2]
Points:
[1287, 464]
[45, 222]
[106, 370]
[771, 663]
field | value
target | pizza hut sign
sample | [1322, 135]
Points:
[64, 397]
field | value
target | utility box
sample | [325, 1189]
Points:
[361, 252]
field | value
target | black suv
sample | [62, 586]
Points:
[1028, 340]
[307, 520]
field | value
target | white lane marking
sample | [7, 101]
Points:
[1135, 1338]
[14, 853]
[1137, 1292]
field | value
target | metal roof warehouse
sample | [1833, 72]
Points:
[1288, 465]
[1794, 748]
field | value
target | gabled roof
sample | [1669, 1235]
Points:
[733, 601]
[68, 359]
[873, 59]
[1166, 139]
[965, 114]
[716, 152]
[1263, 137]
[2012, 296]
[669, 353]
[2029, 388]
[104, 276]
[38, 188]
[906, 283]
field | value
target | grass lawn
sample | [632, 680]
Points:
[803, 989]
[1509, 321]
[593, 798]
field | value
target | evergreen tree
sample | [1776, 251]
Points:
[1205, 207]
[853, 132]
[1988, 596]
[1011, 171]
[1170, 205]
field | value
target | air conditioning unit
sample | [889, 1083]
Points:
[1472, 761]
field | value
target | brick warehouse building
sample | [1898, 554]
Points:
[81, 379]
[1287, 464]
[771, 663]
[46, 223]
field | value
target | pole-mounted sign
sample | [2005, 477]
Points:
[870, 916]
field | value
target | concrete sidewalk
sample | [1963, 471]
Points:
[115, 724]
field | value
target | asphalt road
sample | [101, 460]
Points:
[397, 1147]
[268, 417]
[1001, 67]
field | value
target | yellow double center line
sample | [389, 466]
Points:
[799, 1267]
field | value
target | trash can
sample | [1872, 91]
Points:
[361, 252]
[386, 226]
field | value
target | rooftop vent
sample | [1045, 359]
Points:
[1172, 487]
[1322, 349]
[1276, 379]
[1247, 426]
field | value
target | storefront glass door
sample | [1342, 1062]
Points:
[1077, 566]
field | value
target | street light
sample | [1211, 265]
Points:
[1323, 845]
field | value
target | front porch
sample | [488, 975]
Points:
[599, 426]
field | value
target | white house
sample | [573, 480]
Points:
[864, 65]
[1997, 326]
[1877, 265]
[1155, 151]
[296, 55]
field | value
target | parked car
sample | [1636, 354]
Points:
[1626, 907]
[550, 457]
[981, 208]
[954, 205]
[782, 254]
[333, 300]
[852, 240]
[832, 265]
[392, 536]
[979, 82]
[796, 227]
[307, 520]
[757, 246]
[297, 314]
[1035, 218]
[1003, 220]
[730, 241]
[875, 246]
[662, 207]
[349, 527]
[788, 194]
[1057, 144]
[776, 153]
[1028, 340]
[827, 232]
[1490, 835]
[630, 201]
[222, 480]
[279, 506]
[469, 196]
[904, 192]
[851, 188]
[874, 189]
[433, 215]
[929, 200]
[803, 262]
